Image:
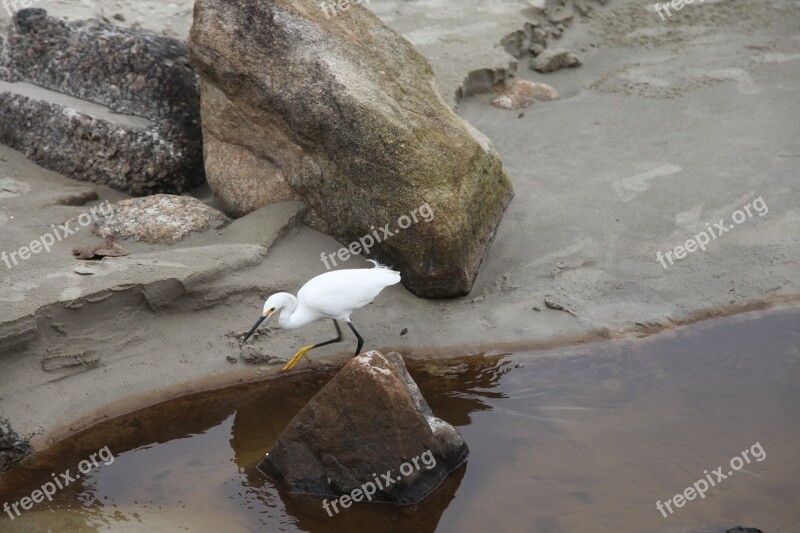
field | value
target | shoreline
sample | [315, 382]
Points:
[126, 406]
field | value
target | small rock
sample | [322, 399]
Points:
[59, 327]
[251, 354]
[554, 59]
[386, 425]
[539, 36]
[536, 49]
[522, 93]
[161, 218]
[109, 248]
[558, 307]
[231, 359]
[404, 331]
[504, 101]
[83, 252]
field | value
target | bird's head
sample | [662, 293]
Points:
[274, 303]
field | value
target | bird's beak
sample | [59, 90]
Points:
[261, 319]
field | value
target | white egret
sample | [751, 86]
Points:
[331, 295]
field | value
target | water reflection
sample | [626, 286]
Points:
[586, 438]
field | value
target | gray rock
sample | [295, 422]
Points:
[369, 419]
[554, 59]
[13, 448]
[344, 113]
[523, 93]
[161, 218]
[536, 49]
[101, 103]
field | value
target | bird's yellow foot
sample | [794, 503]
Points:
[297, 356]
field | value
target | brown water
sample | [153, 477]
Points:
[580, 439]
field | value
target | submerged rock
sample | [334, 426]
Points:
[369, 420]
[161, 218]
[344, 113]
[13, 448]
[101, 103]
[554, 59]
[523, 93]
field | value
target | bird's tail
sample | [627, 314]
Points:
[378, 265]
[392, 276]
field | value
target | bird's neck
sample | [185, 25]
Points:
[288, 318]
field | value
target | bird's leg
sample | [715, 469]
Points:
[305, 349]
[359, 337]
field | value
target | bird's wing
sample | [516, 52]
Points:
[339, 293]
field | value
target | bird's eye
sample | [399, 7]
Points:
[272, 309]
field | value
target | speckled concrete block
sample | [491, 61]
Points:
[101, 103]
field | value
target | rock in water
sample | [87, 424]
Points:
[101, 103]
[344, 113]
[368, 420]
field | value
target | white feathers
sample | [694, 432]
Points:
[333, 294]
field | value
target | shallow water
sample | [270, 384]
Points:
[580, 439]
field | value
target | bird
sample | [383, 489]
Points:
[333, 295]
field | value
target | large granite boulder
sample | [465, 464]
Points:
[369, 424]
[344, 113]
[101, 103]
